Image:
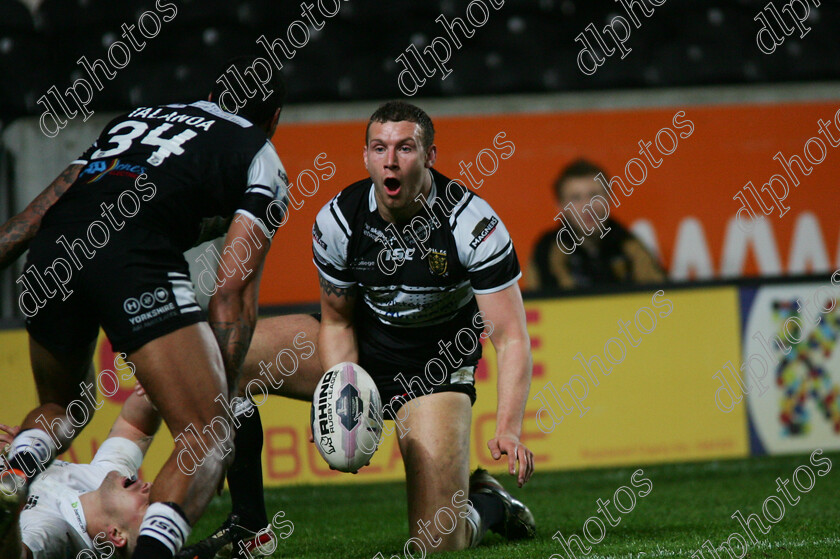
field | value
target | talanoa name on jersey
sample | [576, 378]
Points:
[174, 116]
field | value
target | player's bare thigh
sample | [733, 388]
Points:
[283, 355]
[183, 374]
[59, 379]
[435, 446]
[58, 376]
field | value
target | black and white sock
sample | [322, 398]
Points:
[31, 452]
[162, 533]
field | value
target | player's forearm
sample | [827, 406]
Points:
[233, 321]
[16, 233]
[337, 343]
[337, 337]
[137, 414]
[514, 382]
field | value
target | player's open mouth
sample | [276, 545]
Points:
[392, 186]
[129, 482]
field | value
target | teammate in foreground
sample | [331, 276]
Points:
[166, 170]
[393, 305]
[96, 506]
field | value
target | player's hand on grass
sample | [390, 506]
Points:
[516, 452]
[7, 435]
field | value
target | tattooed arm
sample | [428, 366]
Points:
[16, 233]
[337, 336]
[233, 308]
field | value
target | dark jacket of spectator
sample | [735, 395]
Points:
[617, 258]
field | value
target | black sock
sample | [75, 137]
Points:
[245, 474]
[490, 508]
[150, 548]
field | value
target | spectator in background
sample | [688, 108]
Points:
[619, 257]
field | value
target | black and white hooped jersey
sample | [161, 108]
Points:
[414, 292]
[200, 163]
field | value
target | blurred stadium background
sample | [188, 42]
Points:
[518, 74]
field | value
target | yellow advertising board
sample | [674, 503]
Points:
[618, 380]
[656, 404]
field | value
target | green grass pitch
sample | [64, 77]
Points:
[689, 504]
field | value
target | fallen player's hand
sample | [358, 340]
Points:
[516, 452]
[7, 435]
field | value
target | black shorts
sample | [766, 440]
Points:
[396, 387]
[136, 286]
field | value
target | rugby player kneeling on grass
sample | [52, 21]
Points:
[390, 321]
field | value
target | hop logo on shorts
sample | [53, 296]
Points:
[131, 305]
[147, 300]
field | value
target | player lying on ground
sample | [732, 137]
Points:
[167, 169]
[459, 274]
[97, 506]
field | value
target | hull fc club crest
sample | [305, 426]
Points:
[438, 262]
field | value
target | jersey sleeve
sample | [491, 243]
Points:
[330, 241]
[266, 193]
[120, 454]
[86, 155]
[84, 158]
[485, 248]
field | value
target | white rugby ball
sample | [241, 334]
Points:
[346, 417]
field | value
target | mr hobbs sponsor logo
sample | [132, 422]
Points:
[148, 300]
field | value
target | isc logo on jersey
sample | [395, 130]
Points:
[399, 254]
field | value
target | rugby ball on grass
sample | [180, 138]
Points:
[346, 417]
